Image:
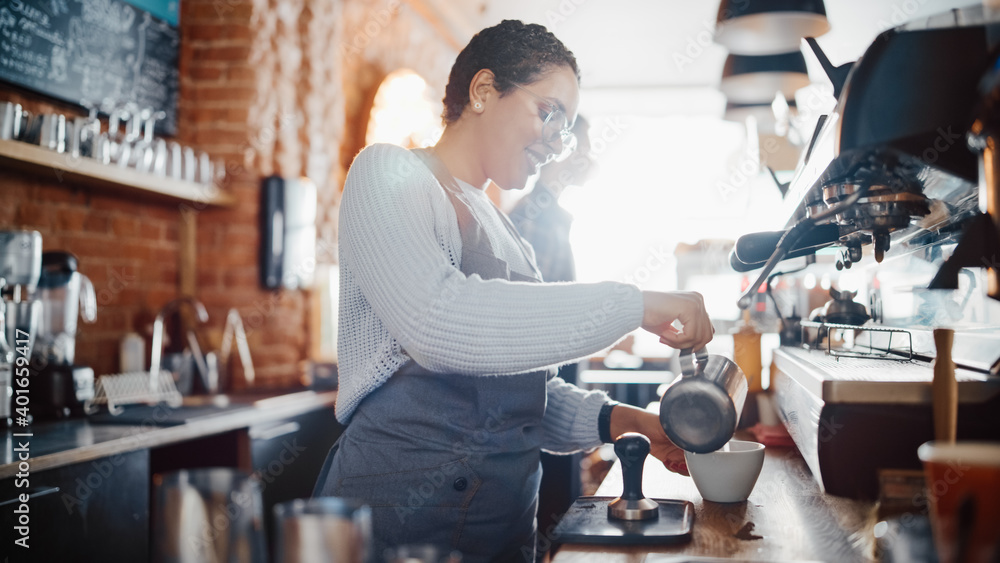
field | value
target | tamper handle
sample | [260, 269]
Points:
[632, 449]
[944, 388]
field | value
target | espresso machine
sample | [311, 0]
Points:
[61, 387]
[886, 187]
[20, 268]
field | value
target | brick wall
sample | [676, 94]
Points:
[267, 90]
[375, 45]
[218, 85]
[126, 247]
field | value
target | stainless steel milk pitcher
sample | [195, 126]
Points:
[699, 411]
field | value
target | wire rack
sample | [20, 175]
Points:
[885, 351]
[134, 387]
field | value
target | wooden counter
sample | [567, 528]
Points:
[787, 518]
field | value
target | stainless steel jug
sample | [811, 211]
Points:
[21, 259]
[328, 529]
[699, 411]
[20, 270]
[13, 121]
[66, 295]
[209, 515]
[47, 130]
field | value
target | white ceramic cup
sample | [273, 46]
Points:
[727, 476]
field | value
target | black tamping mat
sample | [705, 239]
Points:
[587, 522]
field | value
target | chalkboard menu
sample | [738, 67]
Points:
[90, 51]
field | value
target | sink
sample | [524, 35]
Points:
[199, 407]
[256, 398]
[164, 415]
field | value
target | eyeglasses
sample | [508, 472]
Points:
[555, 127]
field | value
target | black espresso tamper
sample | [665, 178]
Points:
[632, 449]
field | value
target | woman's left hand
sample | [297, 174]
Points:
[626, 418]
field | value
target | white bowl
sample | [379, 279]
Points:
[727, 476]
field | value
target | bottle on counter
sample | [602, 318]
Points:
[132, 354]
[746, 352]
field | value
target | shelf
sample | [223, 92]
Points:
[86, 171]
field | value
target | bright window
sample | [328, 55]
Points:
[665, 180]
[404, 113]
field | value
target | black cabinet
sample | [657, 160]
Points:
[100, 510]
[91, 511]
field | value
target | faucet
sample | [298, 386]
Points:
[157, 349]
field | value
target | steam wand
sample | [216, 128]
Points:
[790, 238]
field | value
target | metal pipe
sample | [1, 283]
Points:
[792, 237]
[157, 348]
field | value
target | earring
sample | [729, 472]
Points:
[478, 105]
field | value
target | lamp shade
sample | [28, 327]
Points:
[768, 27]
[762, 114]
[750, 79]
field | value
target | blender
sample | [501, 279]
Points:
[20, 267]
[61, 386]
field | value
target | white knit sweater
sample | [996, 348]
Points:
[403, 296]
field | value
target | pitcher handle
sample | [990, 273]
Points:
[690, 358]
[88, 300]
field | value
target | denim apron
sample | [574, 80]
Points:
[444, 458]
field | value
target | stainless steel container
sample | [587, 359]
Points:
[20, 270]
[699, 411]
[421, 554]
[327, 529]
[13, 121]
[21, 323]
[65, 295]
[211, 515]
[21, 259]
[49, 130]
[7, 367]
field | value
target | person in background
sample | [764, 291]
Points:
[546, 225]
[543, 222]
[448, 338]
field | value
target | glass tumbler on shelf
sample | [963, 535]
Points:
[218, 172]
[208, 515]
[327, 529]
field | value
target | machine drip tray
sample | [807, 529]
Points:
[587, 522]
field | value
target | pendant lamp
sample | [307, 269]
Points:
[762, 113]
[768, 27]
[750, 79]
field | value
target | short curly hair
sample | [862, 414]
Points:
[516, 52]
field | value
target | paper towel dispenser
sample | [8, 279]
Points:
[288, 232]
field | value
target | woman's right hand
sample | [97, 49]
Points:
[662, 308]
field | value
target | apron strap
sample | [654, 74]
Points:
[470, 227]
[521, 243]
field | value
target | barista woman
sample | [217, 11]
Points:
[448, 342]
